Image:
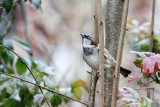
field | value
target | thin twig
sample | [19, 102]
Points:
[151, 41]
[29, 71]
[96, 33]
[101, 53]
[119, 54]
[44, 88]
[142, 88]
[94, 73]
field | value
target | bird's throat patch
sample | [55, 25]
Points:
[88, 51]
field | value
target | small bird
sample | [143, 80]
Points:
[91, 55]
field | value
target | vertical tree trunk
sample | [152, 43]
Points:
[113, 20]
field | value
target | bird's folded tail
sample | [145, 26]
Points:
[124, 72]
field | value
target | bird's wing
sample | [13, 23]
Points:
[107, 55]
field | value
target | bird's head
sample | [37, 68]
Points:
[88, 41]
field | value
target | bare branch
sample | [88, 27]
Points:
[101, 52]
[119, 54]
[96, 33]
[151, 41]
[44, 88]
[94, 74]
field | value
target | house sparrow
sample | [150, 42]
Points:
[91, 55]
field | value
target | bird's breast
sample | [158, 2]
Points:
[92, 61]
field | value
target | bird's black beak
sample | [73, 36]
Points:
[83, 35]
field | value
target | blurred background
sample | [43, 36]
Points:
[54, 34]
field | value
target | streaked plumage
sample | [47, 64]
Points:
[91, 55]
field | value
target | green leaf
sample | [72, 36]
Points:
[21, 68]
[65, 99]
[79, 83]
[24, 46]
[4, 94]
[55, 100]
[8, 43]
[138, 62]
[10, 57]
[77, 93]
[2, 18]
[12, 103]
[145, 48]
[9, 70]
[7, 4]
[1, 39]
[146, 101]
[1, 50]
[26, 96]
[7, 56]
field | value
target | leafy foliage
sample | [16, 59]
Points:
[76, 90]
[134, 76]
[148, 62]
[21, 68]
[150, 65]
[127, 97]
[7, 4]
[55, 100]
[24, 46]
[29, 94]
[16, 93]
[143, 44]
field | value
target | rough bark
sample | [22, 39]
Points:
[113, 20]
[119, 55]
[93, 84]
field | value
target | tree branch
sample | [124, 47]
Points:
[93, 83]
[44, 88]
[119, 54]
[101, 52]
[29, 71]
[151, 41]
[94, 74]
